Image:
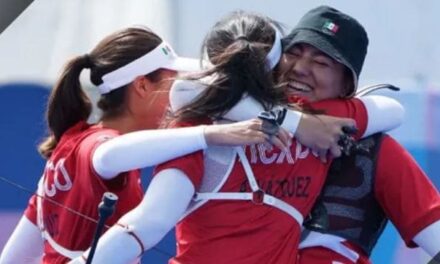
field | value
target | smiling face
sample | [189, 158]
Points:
[309, 73]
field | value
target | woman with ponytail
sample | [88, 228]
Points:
[133, 70]
[232, 205]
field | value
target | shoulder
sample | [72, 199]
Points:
[82, 131]
[81, 140]
[338, 107]
[183, 92]
[181, 85]
[397, 167]
[404, 191]
[191, 165]
[392, 151]
[97, 133]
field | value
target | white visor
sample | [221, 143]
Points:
[274, 55]
[163, 56]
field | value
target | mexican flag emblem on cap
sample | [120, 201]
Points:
[330, 26]
[166, 50]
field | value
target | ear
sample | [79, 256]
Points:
[344, 90]
[142, 86]
[347, 90]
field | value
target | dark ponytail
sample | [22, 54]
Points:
[237, 47]
[68, 103]
[245, 64]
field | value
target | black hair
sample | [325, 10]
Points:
[237, 47]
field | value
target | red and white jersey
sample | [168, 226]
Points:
[241, 231]
[406, 195]
[70, 179]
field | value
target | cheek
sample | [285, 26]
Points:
[283, 67]
[330, 84]
[283, 64]
[156, 109]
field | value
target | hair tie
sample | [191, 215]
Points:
[242, 37]
[88, 63]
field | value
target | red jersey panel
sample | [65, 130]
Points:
[406, 194]
[241, 231]
[70, 179]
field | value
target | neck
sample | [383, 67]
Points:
[123, 124]
[128, 123]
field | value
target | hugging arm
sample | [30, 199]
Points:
[384, 113]
[319, 132]
[164, 203]
[150, 147]
[25, 244]
[145, 148]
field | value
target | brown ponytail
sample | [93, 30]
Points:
[68, 104]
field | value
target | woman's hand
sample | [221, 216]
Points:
[321, 133]
[245, 133]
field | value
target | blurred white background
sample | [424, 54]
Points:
[404, 34]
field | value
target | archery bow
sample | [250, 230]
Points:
[73, 211]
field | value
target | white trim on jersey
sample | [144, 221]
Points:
[257, 195]
[71, 254]
[332, 242]
[429, 238]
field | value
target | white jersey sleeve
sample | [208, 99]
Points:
[25, 244]
[428, 239]
[145, 148]
[384, 113]
[151, 220]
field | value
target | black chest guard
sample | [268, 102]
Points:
[347, 206]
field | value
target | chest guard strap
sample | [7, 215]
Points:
[257, 196]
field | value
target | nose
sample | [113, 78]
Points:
[301, 66]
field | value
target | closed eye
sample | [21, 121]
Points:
[295, 52]
[324, 61]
